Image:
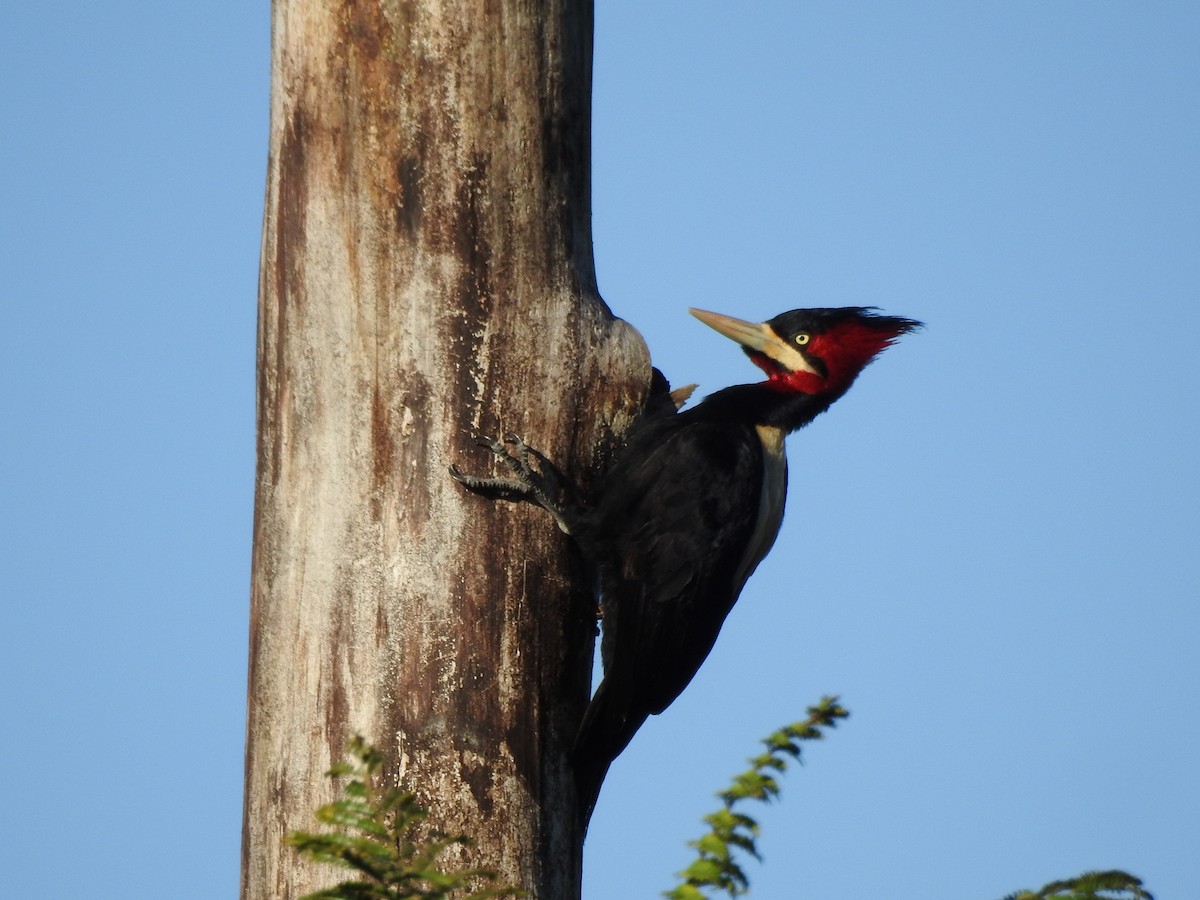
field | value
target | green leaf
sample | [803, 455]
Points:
[715, 866]
[1112, 884]
[374, 833]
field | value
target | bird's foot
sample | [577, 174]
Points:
[534, 480]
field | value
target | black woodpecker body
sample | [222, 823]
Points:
[688, 508]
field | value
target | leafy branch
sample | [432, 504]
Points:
[1109, 885]
[375, 834]
[716, 869]
[715, 866]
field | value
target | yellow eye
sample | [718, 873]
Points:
[802, 338]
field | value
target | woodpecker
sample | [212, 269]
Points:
[687, 509]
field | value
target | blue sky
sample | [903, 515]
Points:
[991, 544]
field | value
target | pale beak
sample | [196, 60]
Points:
[758, 339]
[752, 335]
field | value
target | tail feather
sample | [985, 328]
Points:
[607, 728]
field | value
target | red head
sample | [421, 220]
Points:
[813, 351]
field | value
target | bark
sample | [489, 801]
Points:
[426, 276]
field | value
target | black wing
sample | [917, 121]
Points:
[679, 520]
[672, 524]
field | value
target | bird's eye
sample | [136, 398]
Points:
[802, 338]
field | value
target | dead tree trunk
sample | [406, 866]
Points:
[426, 276]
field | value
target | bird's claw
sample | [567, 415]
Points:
[534, 478]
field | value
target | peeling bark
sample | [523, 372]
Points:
[426, 276]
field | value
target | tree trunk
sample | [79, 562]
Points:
[426, 276]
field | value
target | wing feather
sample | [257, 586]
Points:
[677, 521]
